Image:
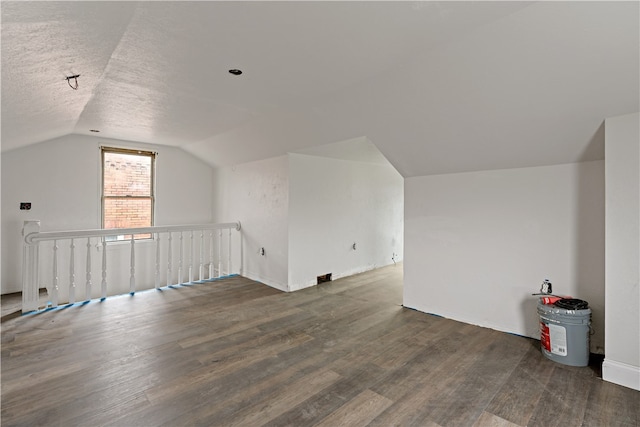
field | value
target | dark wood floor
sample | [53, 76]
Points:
[235, 352]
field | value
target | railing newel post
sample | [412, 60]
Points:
[30, 291]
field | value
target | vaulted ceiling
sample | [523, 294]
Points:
[437, 86]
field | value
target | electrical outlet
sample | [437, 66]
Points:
[25, 206]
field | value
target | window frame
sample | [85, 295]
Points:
[152, 184]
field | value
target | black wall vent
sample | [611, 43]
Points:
[324, 278]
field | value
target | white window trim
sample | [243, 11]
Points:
[133, 151]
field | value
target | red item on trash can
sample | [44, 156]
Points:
[551, 300]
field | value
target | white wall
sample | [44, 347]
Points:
[334, 203]
[622, 172]
[257, 195]
[478, 244]
[61, 178]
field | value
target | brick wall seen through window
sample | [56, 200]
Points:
[127, 189]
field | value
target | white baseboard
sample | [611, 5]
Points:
[621, 373]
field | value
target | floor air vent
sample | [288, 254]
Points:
[324, 278]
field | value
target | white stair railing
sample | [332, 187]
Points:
[43, 252]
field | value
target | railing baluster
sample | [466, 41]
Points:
[157, 260]
[180, 259]
[211, 268]
[191, 252]
[72, 273]
[88, 284]
[132, 279]
[201, 269]
[219, 253]
[229, 256]
[54, 286]
[103, 286]
[169, 262]
[36, 275]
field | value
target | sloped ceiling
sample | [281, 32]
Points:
[356, 150]
[437, 86]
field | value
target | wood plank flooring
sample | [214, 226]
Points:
[238, 353]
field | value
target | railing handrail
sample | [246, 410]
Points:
[32, 238]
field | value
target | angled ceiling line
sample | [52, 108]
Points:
[106, 68]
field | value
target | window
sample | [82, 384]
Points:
[127, 189]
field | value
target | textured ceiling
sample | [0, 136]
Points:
[436, 86]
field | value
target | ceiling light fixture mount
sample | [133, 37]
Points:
[75, 79]
[235, 71]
